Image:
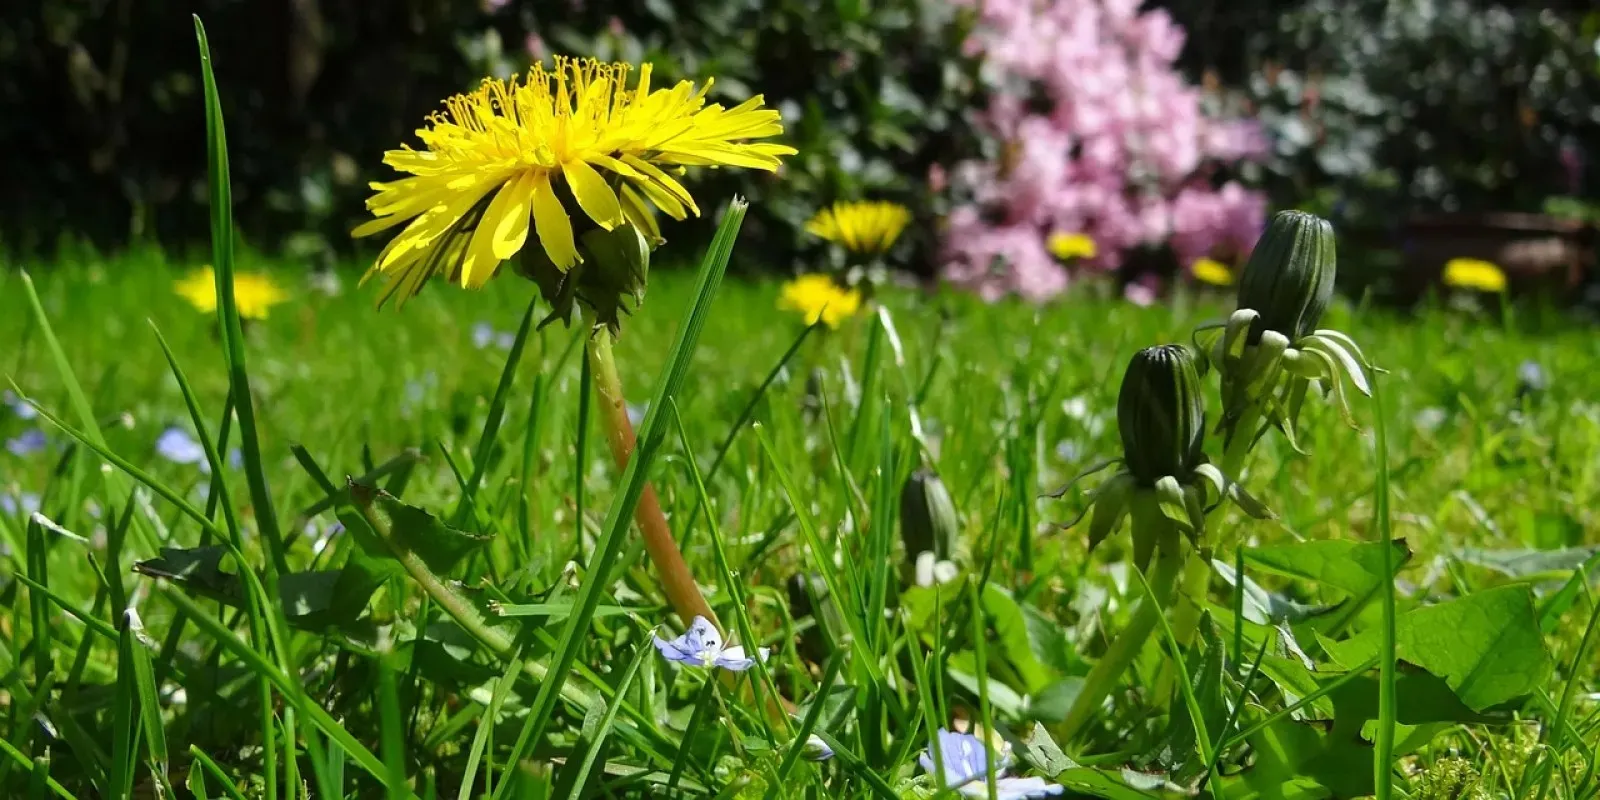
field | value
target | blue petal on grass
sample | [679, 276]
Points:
[19, 407]
[966, 764]
[25, 503]
[27, 443]
[176, 445]
[815, 749]
[484, 334]
[701, 646]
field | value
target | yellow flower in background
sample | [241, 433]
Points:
[1210, 271]
[1067, 246]
[1474, 274]
[255, 294]
[868, 228]
[818, 297]
[512, 155]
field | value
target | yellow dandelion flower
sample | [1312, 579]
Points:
[1067, 246]
[514, 154]
[1210, 271]
[254, 293]
[868, 228]
[1474, 274]
[818, 297]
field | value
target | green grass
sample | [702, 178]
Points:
[1475, 475]
[1419, 610]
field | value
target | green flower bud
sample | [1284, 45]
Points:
[610, 281]
[1161, 414]
[1289, 277]
[928, 517]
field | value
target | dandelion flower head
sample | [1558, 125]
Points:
[512, 157]
[1068, 246]
[866, 228]
[818, 297]
[1210, 271]
[255, 294]
[1474, 274]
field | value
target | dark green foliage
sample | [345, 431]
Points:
[103, 101]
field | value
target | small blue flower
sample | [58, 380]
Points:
[482, 335]
[27, 443]
[701, 646]
[815, 749]
[966, 765]
[1531, 378]
[177, 446]
[27, 503]
[19, 407]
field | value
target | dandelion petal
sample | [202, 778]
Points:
[593, 193]
[550, 220]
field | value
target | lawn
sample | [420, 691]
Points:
[1492, 484]
[345, 552]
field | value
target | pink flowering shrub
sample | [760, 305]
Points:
[1100, 135]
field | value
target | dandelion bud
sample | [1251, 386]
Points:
[1161, 414]
[927, 517]
[1289, 277]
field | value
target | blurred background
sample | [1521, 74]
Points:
[1165, 131]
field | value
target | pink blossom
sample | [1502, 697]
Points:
[1141, 293]
[1120, 152]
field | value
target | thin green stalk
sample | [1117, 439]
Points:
[677, 581]
[1383, 744]
[632, 482]
[1202, 737]
[980, 658]
[1196, 580]
[1125, 648]
[1322, 691]
[1557, 731]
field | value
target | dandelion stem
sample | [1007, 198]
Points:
[682, 591]
[1196, 580]
[1125, 648]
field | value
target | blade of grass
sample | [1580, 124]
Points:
[128, 468]
[16, 755]
[480, 740]
[820, 555]
[830, 673]
[136, 651]
[391, 733]
[596, 746]
[1383, 742]
[233, 331]
[691, 732]
[980, 655]
[1322, 691]
[124, 719]
[1202, 737]
[497, 410]
[211, 768]
[741, 618]
[116, 486]
[289, 689]
[651, 435]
